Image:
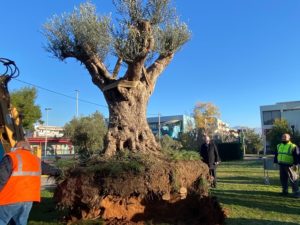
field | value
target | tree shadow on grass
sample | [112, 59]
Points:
[242, 221]
[45, 211]
[267, 201]
[244, 163]
[247, 180]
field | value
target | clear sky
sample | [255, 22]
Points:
[243, 54]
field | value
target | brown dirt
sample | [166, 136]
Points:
[152, 195]
[193, 210]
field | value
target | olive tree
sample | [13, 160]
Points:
[144, 41]
[87, 133]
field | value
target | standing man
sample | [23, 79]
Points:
[287, 157]
[20, 182]
[210, 156]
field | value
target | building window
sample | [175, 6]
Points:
[153, 126]
[270, 116]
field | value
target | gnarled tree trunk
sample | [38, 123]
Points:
[128, 127]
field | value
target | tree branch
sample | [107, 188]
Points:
[134, 71]
[157, 67]
[117, 68]
[98, 71]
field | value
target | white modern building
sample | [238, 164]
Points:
[174, 125]
[171, 125]
[289, 111]
[220, 127]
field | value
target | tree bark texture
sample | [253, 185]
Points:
[128, 127]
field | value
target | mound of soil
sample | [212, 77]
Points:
[161, 192]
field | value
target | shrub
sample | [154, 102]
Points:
[178, 155]
[230, 151]
[168, 143]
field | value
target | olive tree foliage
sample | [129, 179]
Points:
[169, 144]
[78, 34]
[87, 133]
[83, 33]
[280, 127]
[167, 33]
[24, 101]
[144, 40]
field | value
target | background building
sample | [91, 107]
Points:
[171, 125]
[289, 111]
[220, 128]
[50, 141]
[50, 131]
[175, 125]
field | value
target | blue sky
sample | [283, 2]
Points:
[243, 54]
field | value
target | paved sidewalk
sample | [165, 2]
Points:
[47, 182]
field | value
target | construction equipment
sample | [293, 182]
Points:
[11, 129]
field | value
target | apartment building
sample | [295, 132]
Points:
[289, 111]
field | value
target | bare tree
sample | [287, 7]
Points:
[147, 36]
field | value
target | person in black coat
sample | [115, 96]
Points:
[210, 155]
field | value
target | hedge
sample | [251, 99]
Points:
[230, 151]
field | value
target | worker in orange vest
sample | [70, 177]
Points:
[20, 184]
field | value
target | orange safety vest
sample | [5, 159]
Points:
[24, 184]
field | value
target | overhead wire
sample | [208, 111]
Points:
[68, 96]
[58, 93]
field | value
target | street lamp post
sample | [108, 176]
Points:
[159, 135]
[293, 130]
[242, 139]
[46, 132]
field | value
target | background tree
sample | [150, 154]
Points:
[253, 141]
[205, 115]
[145, 40]
[189, 140]
[230, 137]
[24, 100]
[169, 144]
[87, 133]
[280, 126]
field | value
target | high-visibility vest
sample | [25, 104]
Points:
[285, 153]
[24, 184]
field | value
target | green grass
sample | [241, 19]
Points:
[45, 212]
[248, 200]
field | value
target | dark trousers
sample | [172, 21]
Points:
[287, 173]
[213, 174]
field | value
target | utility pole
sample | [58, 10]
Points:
[46, 131]
[77, 94]
[159, 127]
[243, 139]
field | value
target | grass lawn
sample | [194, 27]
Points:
[44, 212]
[241, 191]
[247, 200]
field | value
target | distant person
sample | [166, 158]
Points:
[20, 182]
[210, 155]
[287, 157]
